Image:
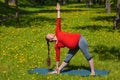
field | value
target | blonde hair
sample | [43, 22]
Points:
[48, 58]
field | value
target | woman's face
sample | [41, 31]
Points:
[50, 37]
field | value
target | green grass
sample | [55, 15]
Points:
[23, 47]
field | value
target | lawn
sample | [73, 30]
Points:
[23, 45]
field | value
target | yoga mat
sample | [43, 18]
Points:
[44, 71]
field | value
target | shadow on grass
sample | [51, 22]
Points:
[6, 10]
[83, 5]
[79, 5]
[74, 67]
[29, 21]
[104, 18]
[28, 17]
[93, 27]
[96, 27]
[106, 53]
[50, 11]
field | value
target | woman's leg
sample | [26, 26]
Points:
[84, 48]
[91, 63]
[69, 56]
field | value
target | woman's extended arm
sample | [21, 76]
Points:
[58, 22]
[58, 10]
[58, 28]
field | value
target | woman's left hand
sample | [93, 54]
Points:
[58, 7]
[58, 71]
[53, 72]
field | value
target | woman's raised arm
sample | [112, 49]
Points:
[58, 10]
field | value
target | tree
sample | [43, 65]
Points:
[88, 2]
[117, 17]
[108, 6]
[118, 3]
[64, 1]
[15, 3]
[17, 11]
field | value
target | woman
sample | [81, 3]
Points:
[72, 41]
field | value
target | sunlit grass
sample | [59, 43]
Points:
[23, 46]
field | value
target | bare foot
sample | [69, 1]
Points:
[92, 73]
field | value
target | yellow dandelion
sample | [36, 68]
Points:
[23, 74]
[22, 59]
[4, 53]
[48, 77]
[9, 79]
[4, 72]
[32, 66]
[16, 56]
[33, 77]
[17, 66]
[39, 62]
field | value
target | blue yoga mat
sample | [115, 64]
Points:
[44, 71]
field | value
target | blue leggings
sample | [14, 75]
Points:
[83, 46]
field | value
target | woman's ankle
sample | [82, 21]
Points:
[92, 73]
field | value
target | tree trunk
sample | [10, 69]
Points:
[12, 1]
[108, 6]
[17, 11]
[88, 2]
[117, 18]
[118, 3]
[63, 1]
